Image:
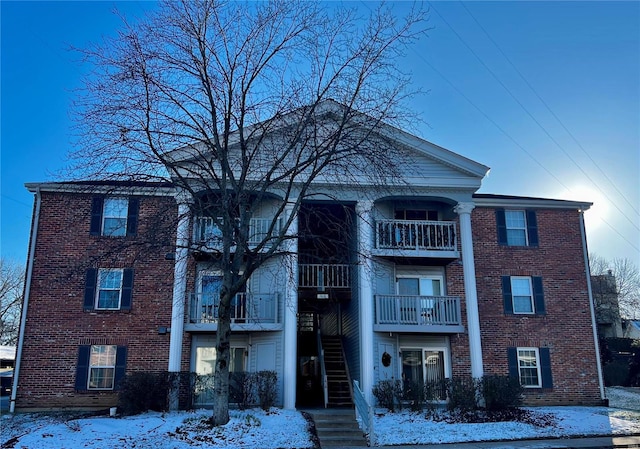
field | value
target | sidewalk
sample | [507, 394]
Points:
[561, 443]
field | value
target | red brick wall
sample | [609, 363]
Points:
[566, 328]
[56, 323]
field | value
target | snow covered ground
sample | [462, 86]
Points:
[289, 429]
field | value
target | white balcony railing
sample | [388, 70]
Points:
[324, 275]
[207, 233]
[245, 308]
[416, 235]
[413, 310]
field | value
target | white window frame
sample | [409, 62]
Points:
[516, 228]
[99, 288]
[120, 231]
[531, 295]
[102, 366]
[422, 349]
[538, 368]
[419, 277]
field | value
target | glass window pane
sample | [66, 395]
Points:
[101, 378]
[515, 219]
[205, 360]
[528, 365]
[408, 286]
[522, 304]
[103, 355]
[115, 216]
[516, 237]
[520, 287]
[110, 279]
[412, 365]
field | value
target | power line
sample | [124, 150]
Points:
[549, 109]
[503, 131]
[512, 95]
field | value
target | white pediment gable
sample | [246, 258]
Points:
[420, 163]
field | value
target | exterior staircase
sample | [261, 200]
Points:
[337, 428]
[337, 376]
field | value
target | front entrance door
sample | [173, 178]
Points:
[309, 385]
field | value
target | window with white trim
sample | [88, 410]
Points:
[516, 223]
[518, 228]
[114, 217]
[522, 295]
[529, 367]
[102, 367]
[109, 291]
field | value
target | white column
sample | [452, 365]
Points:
[291, 314]
[471, 294]
[365, 296]
[179, 286]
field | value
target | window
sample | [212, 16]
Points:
[517, 227]
[114, 217]
[523, 295]
[108, 289]
[100, 367]
[416, 214]
[206, 360]
[425, 366]
[531, 365]
[423, 309]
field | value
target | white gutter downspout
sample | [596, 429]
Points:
[25, 301]
[591, 306]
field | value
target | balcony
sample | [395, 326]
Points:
[424, 314]
[207, 236]
[413, 238]
[321, 276]
[249, 312]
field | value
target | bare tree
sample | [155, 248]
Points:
[11, 288]
[627, 282]
[242, 105]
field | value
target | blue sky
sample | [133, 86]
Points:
[547, 94]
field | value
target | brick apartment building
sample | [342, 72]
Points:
[453, 283]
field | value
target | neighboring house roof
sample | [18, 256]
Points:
[490, 200]
[7, 352]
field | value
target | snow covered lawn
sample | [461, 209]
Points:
[289, 429]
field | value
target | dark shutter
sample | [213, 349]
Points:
[532, 227]
[82, 369]
[538, 295]
[121, 366]
[96, 215]
[545, 367]
[132, 216]
[90, 284]
[127, 289]
[507, 299]
[512, 361]
[501, 223]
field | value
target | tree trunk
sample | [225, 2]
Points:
[221, 376]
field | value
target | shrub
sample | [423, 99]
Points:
[462, 392]
[388, 393]
[143, 391]
[413, 393]
[242, 386]
[501, 392]
[616, 373]
[266, 384]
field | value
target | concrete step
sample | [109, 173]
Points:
[337, 428]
